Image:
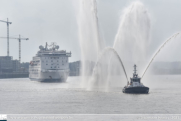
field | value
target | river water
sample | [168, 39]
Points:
[22, 96]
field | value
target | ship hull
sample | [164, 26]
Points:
[48, 80]
[136, 90]
[50, 76]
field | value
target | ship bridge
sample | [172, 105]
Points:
[135, 78]
[52, 50]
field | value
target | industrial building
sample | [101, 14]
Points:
[10, 68]
[16, 65]
[6, 64]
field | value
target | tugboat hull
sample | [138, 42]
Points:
[136, 90]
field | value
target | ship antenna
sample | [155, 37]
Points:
[46, 46]
[135, 69]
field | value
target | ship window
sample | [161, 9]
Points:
[51, 61]
[54, 57]
[51, 67]
[57, 60]
[58, 57]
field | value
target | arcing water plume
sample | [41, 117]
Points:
[132, 39]
[172, 37]
[117, 56]
[89, 38]
[109, 70]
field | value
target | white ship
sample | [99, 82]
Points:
[50, 64]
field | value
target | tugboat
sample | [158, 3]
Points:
[135, 86]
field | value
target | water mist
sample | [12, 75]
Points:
[130, 43]
[90, 42]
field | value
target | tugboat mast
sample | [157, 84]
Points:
[134, 69]
[134, 74]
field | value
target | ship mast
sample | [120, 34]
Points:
[134, 69]
[134, 74]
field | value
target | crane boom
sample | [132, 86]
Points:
[16, 38]
[6, 21]
[19, 39]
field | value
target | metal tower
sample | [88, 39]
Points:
[7, 34]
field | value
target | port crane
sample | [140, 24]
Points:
[19, 39]
[7, 22]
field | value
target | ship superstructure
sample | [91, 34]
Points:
[50, 64]
[135, 86]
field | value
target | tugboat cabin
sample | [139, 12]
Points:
[135, 81]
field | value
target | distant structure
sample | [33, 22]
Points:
[166, 68]
[75, 68]
[19, 39]
[10, 68]
[7, 22]
[16, 65]
[24, 67]
[6, 65]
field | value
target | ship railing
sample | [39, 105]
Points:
[68, 54]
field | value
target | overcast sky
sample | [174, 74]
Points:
[56, 21]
